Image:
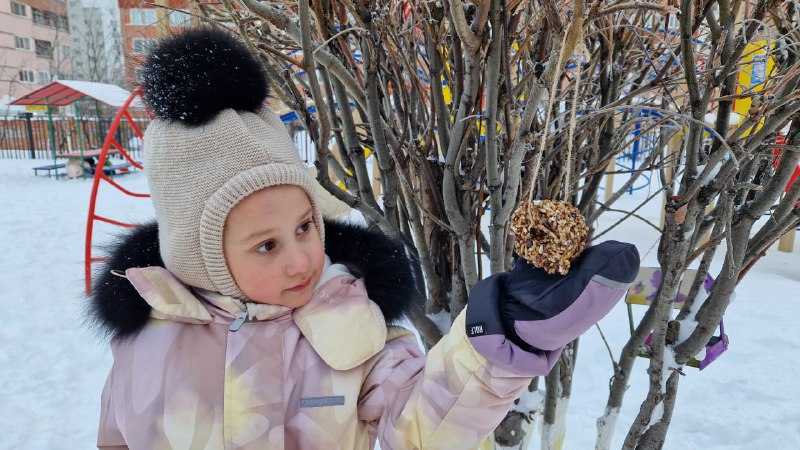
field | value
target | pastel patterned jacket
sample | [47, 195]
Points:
[204, 371]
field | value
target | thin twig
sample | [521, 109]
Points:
[630, 213]
[608, 347]
[572, 122]
[328, 41]
[546, 129]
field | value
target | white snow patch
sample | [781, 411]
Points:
[668, 366]
[689, 324]
[656, 415]
[529, 402]
[711, 174]
[442, 320]
[687, 327]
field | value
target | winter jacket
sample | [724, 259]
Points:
[194, 369]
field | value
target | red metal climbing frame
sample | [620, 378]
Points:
[99, 176]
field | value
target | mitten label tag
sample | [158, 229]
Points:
[477, 329]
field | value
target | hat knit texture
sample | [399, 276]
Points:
[210, 146]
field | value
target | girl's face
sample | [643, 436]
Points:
[273, 248]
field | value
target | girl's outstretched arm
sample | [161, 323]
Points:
[514, 327]
[451, 399]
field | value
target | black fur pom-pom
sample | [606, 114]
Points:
[193, 76]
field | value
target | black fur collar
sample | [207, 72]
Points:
[118, 310]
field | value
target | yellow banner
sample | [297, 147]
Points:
[756, 69]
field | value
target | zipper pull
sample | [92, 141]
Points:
[240, 319]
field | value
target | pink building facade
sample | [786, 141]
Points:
[34, 45]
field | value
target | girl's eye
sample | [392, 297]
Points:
[266, 247]
[304, 227]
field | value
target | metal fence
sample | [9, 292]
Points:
[22, 138]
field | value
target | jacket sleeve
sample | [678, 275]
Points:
[109, 436]
[453, 398]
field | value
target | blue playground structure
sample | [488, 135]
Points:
[642, 143]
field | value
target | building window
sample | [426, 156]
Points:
[62, 22]
[22, 43]
[179, 18]
[41, 17]
[44, 48]
[141, 16]
[27, 76]
[49, 19]
[18, 9]
[142, 46]
[137, 75]
[44, 78]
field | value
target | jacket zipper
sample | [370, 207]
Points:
[240, 320]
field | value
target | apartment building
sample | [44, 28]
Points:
[140, 30]
[96, 41]
[35, 45]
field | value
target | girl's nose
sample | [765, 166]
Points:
[299, 263]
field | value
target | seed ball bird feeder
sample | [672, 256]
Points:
[549, 234]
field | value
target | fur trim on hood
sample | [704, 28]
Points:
[119, 311]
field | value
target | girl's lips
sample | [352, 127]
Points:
[301, 286]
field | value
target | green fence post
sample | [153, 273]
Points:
[80, 139]
[52, 135]
[27, 116]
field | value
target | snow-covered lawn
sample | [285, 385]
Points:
[52, 366]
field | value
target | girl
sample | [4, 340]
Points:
[243, 321]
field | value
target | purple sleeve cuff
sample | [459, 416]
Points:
[501, 352]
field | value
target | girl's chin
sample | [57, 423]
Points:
[288, 299]
[296, 299]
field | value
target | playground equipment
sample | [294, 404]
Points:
[643, 140]
[643, 292]
[70, 92]
[101, 176]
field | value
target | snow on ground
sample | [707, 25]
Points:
[746, 399]
[52, 367]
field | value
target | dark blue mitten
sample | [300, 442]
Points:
[522, 319]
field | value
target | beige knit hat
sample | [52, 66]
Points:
[211, 145]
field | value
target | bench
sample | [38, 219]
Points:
[49, 168]
[122, 167]
[112, 170]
